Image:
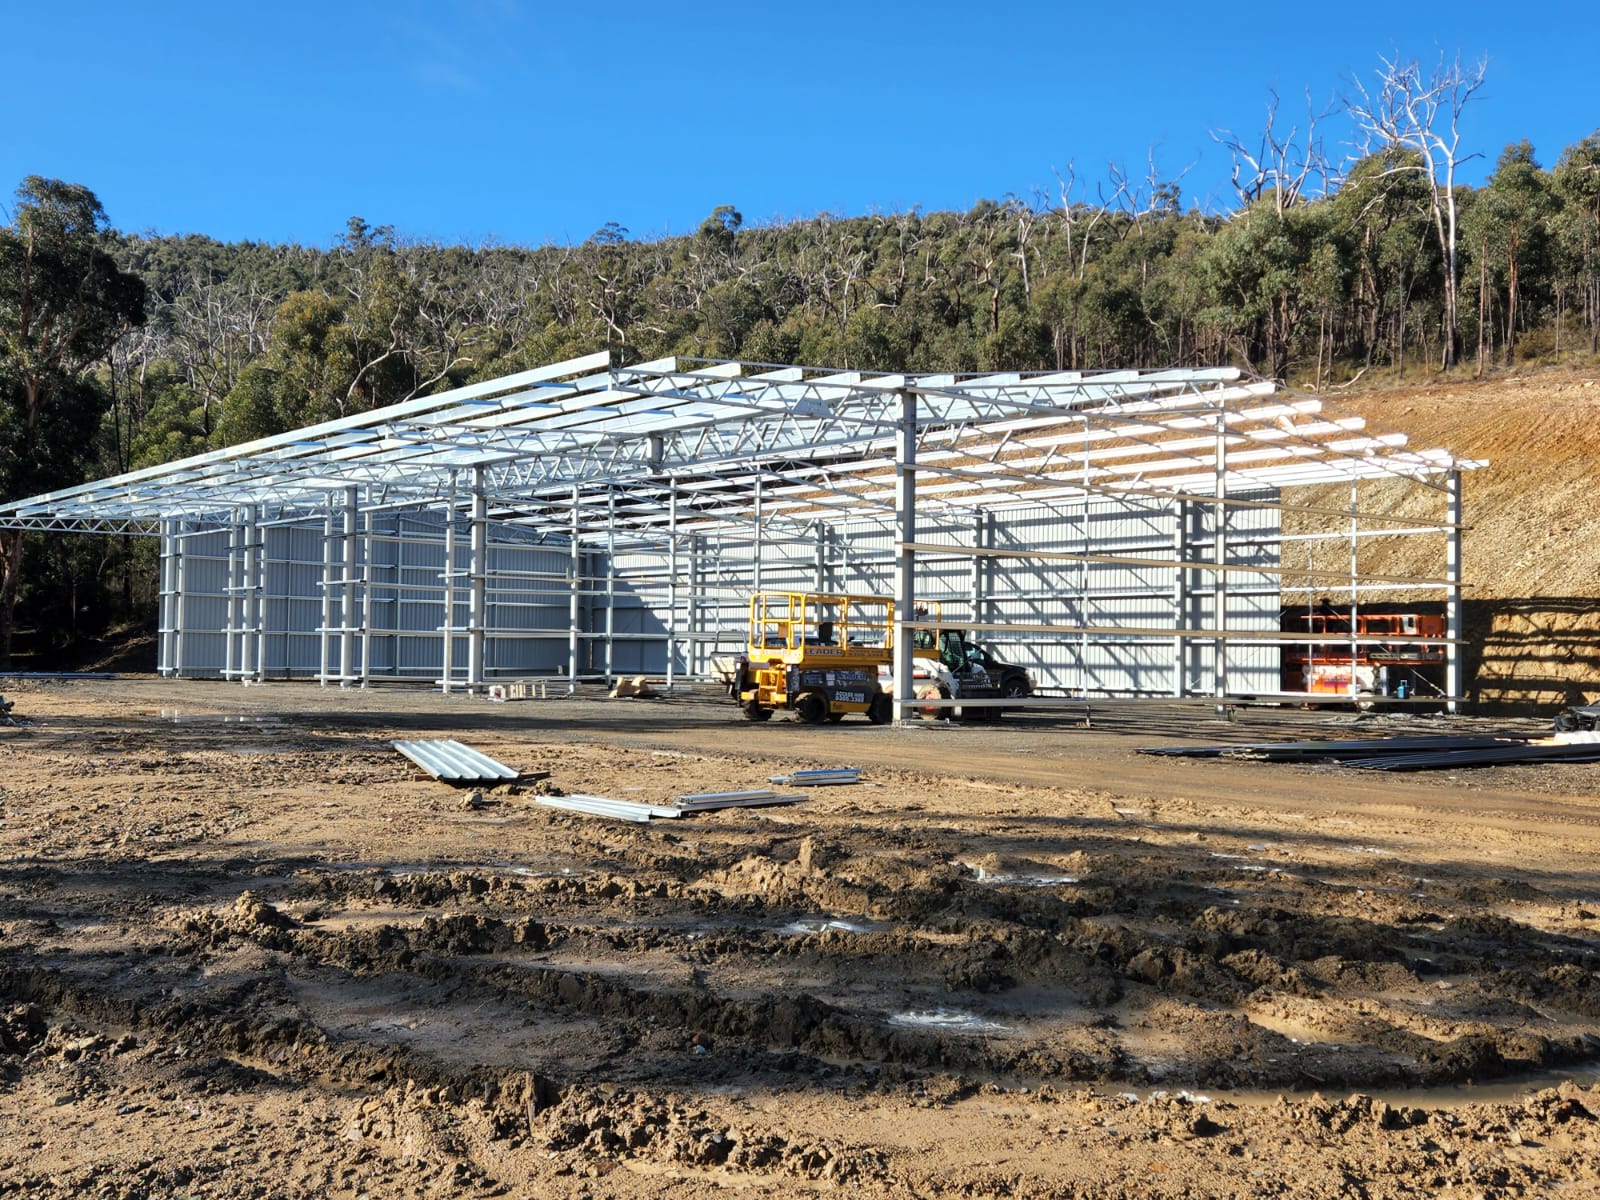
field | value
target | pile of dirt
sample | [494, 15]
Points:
[132, 648]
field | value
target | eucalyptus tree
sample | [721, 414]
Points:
[1421, 114]
[1255, 265]
[63, 305]
[1286, 165]
[1507, 225]
[1382, 211]
[1576, 180]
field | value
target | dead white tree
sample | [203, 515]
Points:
[1286, 166]
[1138, 200]
[1421, 117]
[1025, 216]
[1078, 220]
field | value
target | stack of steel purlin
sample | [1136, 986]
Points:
[1424, 753]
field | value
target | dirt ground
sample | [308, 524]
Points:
[246, 949]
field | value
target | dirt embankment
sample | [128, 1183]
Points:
[1530, 564]
[246, 950]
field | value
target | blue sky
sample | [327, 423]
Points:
[529, 122]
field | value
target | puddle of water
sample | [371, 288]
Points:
[355, 868]
[1505, 1091]
[530, 873]
[406, 870]
[947, 1020]
[822, 925]
[1251, 868]
[998, 878]
[1027, 880]
[178, 717]
[1183, 1095]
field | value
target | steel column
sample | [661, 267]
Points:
[347, 595]
[611, 583]
[1219, 537]
[447, 627]
[324, 671]
[478, 619]
[1355, 606]
[180, 582]
[672, 582]
[254, 645]
[1455, 622]
[164, 621]
[756, 549]
[232, 639]
[693, 658]
[368, 569]
[1180, 594]
[905, 562]
[574, 603]
[980, 539]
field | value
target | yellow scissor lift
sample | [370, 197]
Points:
[817, 654]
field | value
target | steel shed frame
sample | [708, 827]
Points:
[708, 467]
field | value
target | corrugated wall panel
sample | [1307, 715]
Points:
[405, 609]
[529, 595]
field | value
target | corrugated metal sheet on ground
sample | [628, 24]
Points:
[711, 801]
[1336, 749]
[633, 810]
[1540, 752]
[606, 806]
[819, 777]
[451, 761]
[1404, 753]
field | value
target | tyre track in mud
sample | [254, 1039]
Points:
[1099, 942]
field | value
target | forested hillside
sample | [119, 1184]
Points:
[1388, 270]
[249, 339]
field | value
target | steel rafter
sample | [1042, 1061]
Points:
[821, 441]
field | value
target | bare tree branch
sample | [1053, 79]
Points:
[1284, 165]
[1422, 115]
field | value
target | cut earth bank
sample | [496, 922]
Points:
[1532, 597]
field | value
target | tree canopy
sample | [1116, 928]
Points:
[64, 303]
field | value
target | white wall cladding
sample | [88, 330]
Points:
[199, 603]
[858, 557]
[291, 601]
[640, 602]
[396, 601]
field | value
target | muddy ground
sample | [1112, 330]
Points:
[246, 949]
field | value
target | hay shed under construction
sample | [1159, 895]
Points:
[1120, 534]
